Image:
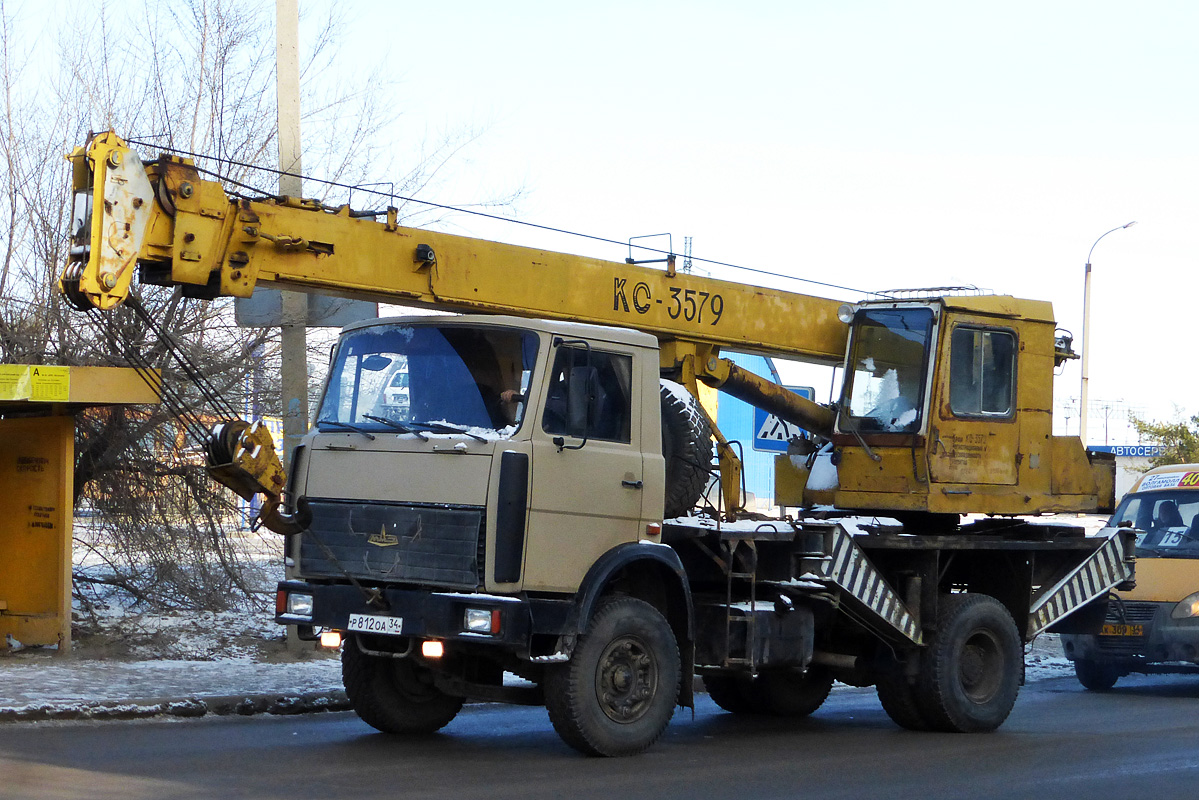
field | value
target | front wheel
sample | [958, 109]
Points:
[970, 672]
[394, 695]
[617, 694]
[1095, 675]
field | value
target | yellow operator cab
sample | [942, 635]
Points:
[1154, 628]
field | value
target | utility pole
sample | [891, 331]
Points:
[293, 331]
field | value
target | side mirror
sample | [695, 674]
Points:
[375, 362]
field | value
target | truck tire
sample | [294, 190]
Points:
[687, 448]
[394, 695]
[617, 694]
[788, 693]
[898, 698]
[733, 693]
[1095, 676]
[970, 671]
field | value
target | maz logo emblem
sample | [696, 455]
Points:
[383, 538]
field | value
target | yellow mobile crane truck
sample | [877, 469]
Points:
[507, 491]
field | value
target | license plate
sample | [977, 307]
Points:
[1122, 630]
[371, 623]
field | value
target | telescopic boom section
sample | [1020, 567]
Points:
[184, 230]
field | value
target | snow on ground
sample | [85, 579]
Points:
[1044, 659]
[37, 682]
[123, 652]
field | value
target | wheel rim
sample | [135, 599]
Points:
[980, 666]
[626, 680]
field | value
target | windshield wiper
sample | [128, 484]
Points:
[345, 426]
[446, 427]
[394, 424]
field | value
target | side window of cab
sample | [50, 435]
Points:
[607, 380]
[982, 372]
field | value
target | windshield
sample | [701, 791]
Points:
[885, 387]
[430, 377]
[1169, 519]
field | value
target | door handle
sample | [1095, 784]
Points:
[632, 484]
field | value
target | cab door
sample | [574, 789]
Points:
[587, 473]
[974, 438]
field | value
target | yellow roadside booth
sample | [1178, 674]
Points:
[37, 459]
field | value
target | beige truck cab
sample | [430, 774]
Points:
[433, 491]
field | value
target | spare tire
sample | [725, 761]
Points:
[687, 448]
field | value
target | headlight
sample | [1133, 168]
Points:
[845, 313]
[1187, 607]
[481, 620]
[299, 605]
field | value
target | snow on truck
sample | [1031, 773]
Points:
[528, 509]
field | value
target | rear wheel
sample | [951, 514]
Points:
[618, 692]
[789, 693]
[1094, 675]
[898, 698]
[970, 671]
[394, 695]
[778, 692]
[733, 693]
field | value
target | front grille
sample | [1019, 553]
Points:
[394, 543]
[1131, 613]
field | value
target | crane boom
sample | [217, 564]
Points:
[185, 230]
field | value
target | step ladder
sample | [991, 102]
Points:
[749, 550]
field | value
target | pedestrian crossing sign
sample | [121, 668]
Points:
[771, 433]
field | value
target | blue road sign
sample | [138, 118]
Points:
[770, 432]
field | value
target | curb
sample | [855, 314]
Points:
[194, 706]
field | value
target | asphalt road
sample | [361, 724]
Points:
[1141, 740]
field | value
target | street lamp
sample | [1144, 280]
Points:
[1086, 332]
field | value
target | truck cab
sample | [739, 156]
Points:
[524, 453]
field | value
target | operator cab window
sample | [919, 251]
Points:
[609, 404]
[889, 365]
[982, 371]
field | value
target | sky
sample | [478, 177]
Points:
[872, 145]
